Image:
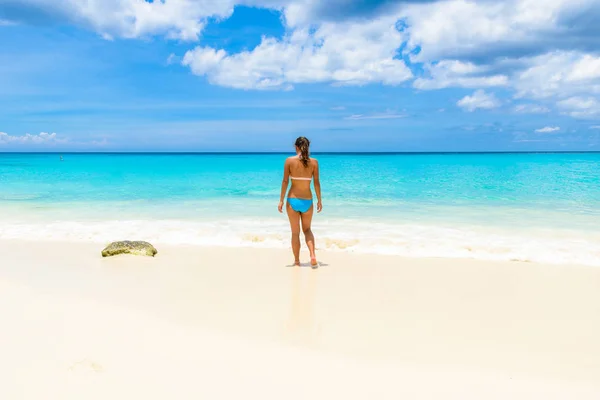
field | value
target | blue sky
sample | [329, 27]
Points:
[252, 75]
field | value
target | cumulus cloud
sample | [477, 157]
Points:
[585, 68]
[580, 107]
[541, 50]
[484, 30]
[353, 54]
[43, 137]
[453, 73]
[184, 18]
[302, 12]
[548, 129]
[536, 49]
[181, 19]
[470, 44]
[558, 74]
[478, 100]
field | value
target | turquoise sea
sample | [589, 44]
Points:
[529, 207]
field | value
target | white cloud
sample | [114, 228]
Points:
[306, 12]
[454, 73]
[548, 129]
[557, 74]
[452, 29]
[539, 49]
[471, 44]
[100, 143]
[551, 76]
[571, 79]
[478, 100]
[338, 108]
[461, 29]
[529, 140]
[43, 137]
[585, 69]
[49, 140]
[580, 107]
[385, 115]
[173, 59]
[202, 60]
[178, 19]
[531, 109]
[595, 127]
[353, 54]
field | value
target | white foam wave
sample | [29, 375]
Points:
[411, 240]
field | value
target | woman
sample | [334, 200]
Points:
[301, 169]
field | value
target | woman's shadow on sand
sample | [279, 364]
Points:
[302, 328]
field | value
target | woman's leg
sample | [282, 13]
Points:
[308, 235]
[295, 225]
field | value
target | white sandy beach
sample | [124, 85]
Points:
[197, 322]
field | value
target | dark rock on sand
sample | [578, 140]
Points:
[127, 247]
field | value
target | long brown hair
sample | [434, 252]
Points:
[303, 144]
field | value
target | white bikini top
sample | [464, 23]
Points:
[301, 179]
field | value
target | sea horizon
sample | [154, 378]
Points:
[312, 153]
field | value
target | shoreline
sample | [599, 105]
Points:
[407, 240]
[520, 327]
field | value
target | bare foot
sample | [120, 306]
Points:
[314, 263]
[296, 263]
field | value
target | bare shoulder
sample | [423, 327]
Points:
[314, 162]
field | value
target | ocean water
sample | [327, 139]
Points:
[525, 207]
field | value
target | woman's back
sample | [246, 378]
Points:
[301, 176]
[299, 170]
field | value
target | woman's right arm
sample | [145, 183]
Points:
[284, 184]
[318, 187]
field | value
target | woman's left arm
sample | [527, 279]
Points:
[284, 184]
[317, 179]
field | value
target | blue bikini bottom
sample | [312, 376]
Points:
[300, 205]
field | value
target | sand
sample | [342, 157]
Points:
[228, 323]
